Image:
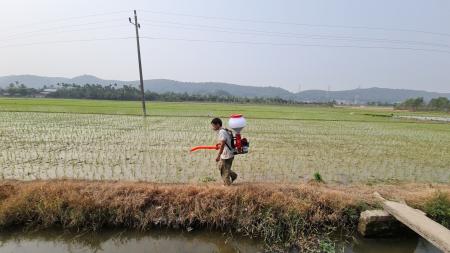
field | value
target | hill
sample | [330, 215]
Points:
[384, 95]
[374, 94]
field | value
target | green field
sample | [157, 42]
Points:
[86, 139]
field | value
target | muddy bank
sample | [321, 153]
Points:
[282, 216]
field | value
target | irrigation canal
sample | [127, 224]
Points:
[111, 241]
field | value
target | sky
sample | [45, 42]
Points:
[293, 44]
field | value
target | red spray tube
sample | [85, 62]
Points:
[216, 147]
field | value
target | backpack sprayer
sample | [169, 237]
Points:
[239, 145]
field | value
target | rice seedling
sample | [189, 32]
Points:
[121, 147]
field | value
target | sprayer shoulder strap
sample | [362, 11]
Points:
[226, 144]
[231, 138]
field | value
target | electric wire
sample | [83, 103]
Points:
[231, 30]
[65, 41]
[66, 31]
[69, 18]
[300, 24]
[295, 44]
[230, 42]
[62, 27]
[290, 35]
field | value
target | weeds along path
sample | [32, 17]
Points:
[283, 215]
[121, 147]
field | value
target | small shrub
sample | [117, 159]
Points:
[438, 208]
[327, 246]
[318, 177]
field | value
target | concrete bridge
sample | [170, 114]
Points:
[417, 221]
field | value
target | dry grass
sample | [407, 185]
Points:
[282, 215]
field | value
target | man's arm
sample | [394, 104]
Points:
[222, 146]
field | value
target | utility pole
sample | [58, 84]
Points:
[137, 27]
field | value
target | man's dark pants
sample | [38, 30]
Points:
[227, 174]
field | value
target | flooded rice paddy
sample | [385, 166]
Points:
[156, 149]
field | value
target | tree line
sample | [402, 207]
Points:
[126, 92]
[419, 104]
[17, 89]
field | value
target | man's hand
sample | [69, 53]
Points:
[222, 146]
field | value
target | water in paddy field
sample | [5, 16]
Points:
[156, 149]
[57, 241]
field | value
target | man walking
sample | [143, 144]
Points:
[225, 155]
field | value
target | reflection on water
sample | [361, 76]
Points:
[124, 241]
[398, 245]
[170, 241]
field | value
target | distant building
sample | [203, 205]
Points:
[47, 91]
[343, 102]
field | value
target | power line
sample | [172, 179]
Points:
[64, 41]
[65, 31]
[61, 27]
[225, 30]
[221, 29]
[231, 42]
[89, 16]
[69, 18]
[300, 24]
[296, 44]
[293, 35]
[234, 19]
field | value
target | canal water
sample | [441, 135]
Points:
[57, 241]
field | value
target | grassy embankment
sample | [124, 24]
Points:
[283, 216]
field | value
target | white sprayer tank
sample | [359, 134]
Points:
[237, 122]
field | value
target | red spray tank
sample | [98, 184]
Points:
[237, 122]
